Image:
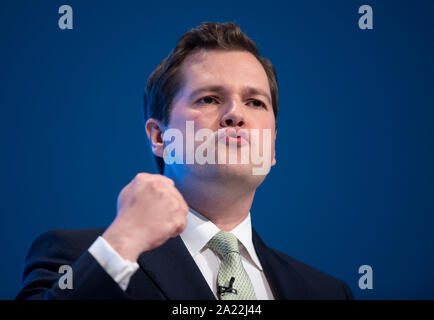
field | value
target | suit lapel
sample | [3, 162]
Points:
[173, 269]
[285, 282]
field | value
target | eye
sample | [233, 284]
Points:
[258, 103]
[207, 100]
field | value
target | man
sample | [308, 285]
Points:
[186, 233]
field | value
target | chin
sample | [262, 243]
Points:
[241, 173]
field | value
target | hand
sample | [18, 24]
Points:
[150, 210]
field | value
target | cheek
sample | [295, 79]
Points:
[181, 113]
[268, 140]
[177, 116]
[265, 122]
[200, 118]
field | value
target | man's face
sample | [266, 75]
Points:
[223, 90]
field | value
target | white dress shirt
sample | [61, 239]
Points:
[198, 232]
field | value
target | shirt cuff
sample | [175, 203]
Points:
[120, 269]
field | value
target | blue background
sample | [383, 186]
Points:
[354, 181]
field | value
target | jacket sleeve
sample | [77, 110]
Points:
[54, 249]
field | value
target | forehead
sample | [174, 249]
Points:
[230, 69]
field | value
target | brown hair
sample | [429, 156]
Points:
[166, 80]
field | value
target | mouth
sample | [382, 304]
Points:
[238, 141]
[233, 137]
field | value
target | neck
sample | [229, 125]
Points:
[224, 204]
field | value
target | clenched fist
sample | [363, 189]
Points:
[150, 211]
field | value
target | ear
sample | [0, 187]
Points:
[154, 131]
[273, 162]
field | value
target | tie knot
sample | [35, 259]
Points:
[223, 243]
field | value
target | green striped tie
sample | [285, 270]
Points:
[233, 282]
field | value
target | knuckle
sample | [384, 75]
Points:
[140, 176]
[172, 228]
[158, 193]
[154, 184]
[167, 180]
[173, 204]
[124, 193]
[164, 180]
[179, 225]
[137, 189]
[183, 224]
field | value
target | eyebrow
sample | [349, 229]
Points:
[247, 90]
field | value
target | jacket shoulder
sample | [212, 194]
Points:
[322, 284]
[297, 280]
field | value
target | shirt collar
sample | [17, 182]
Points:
[200, 230]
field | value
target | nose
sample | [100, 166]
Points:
[233, 116]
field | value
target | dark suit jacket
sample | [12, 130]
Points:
[167, 272]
